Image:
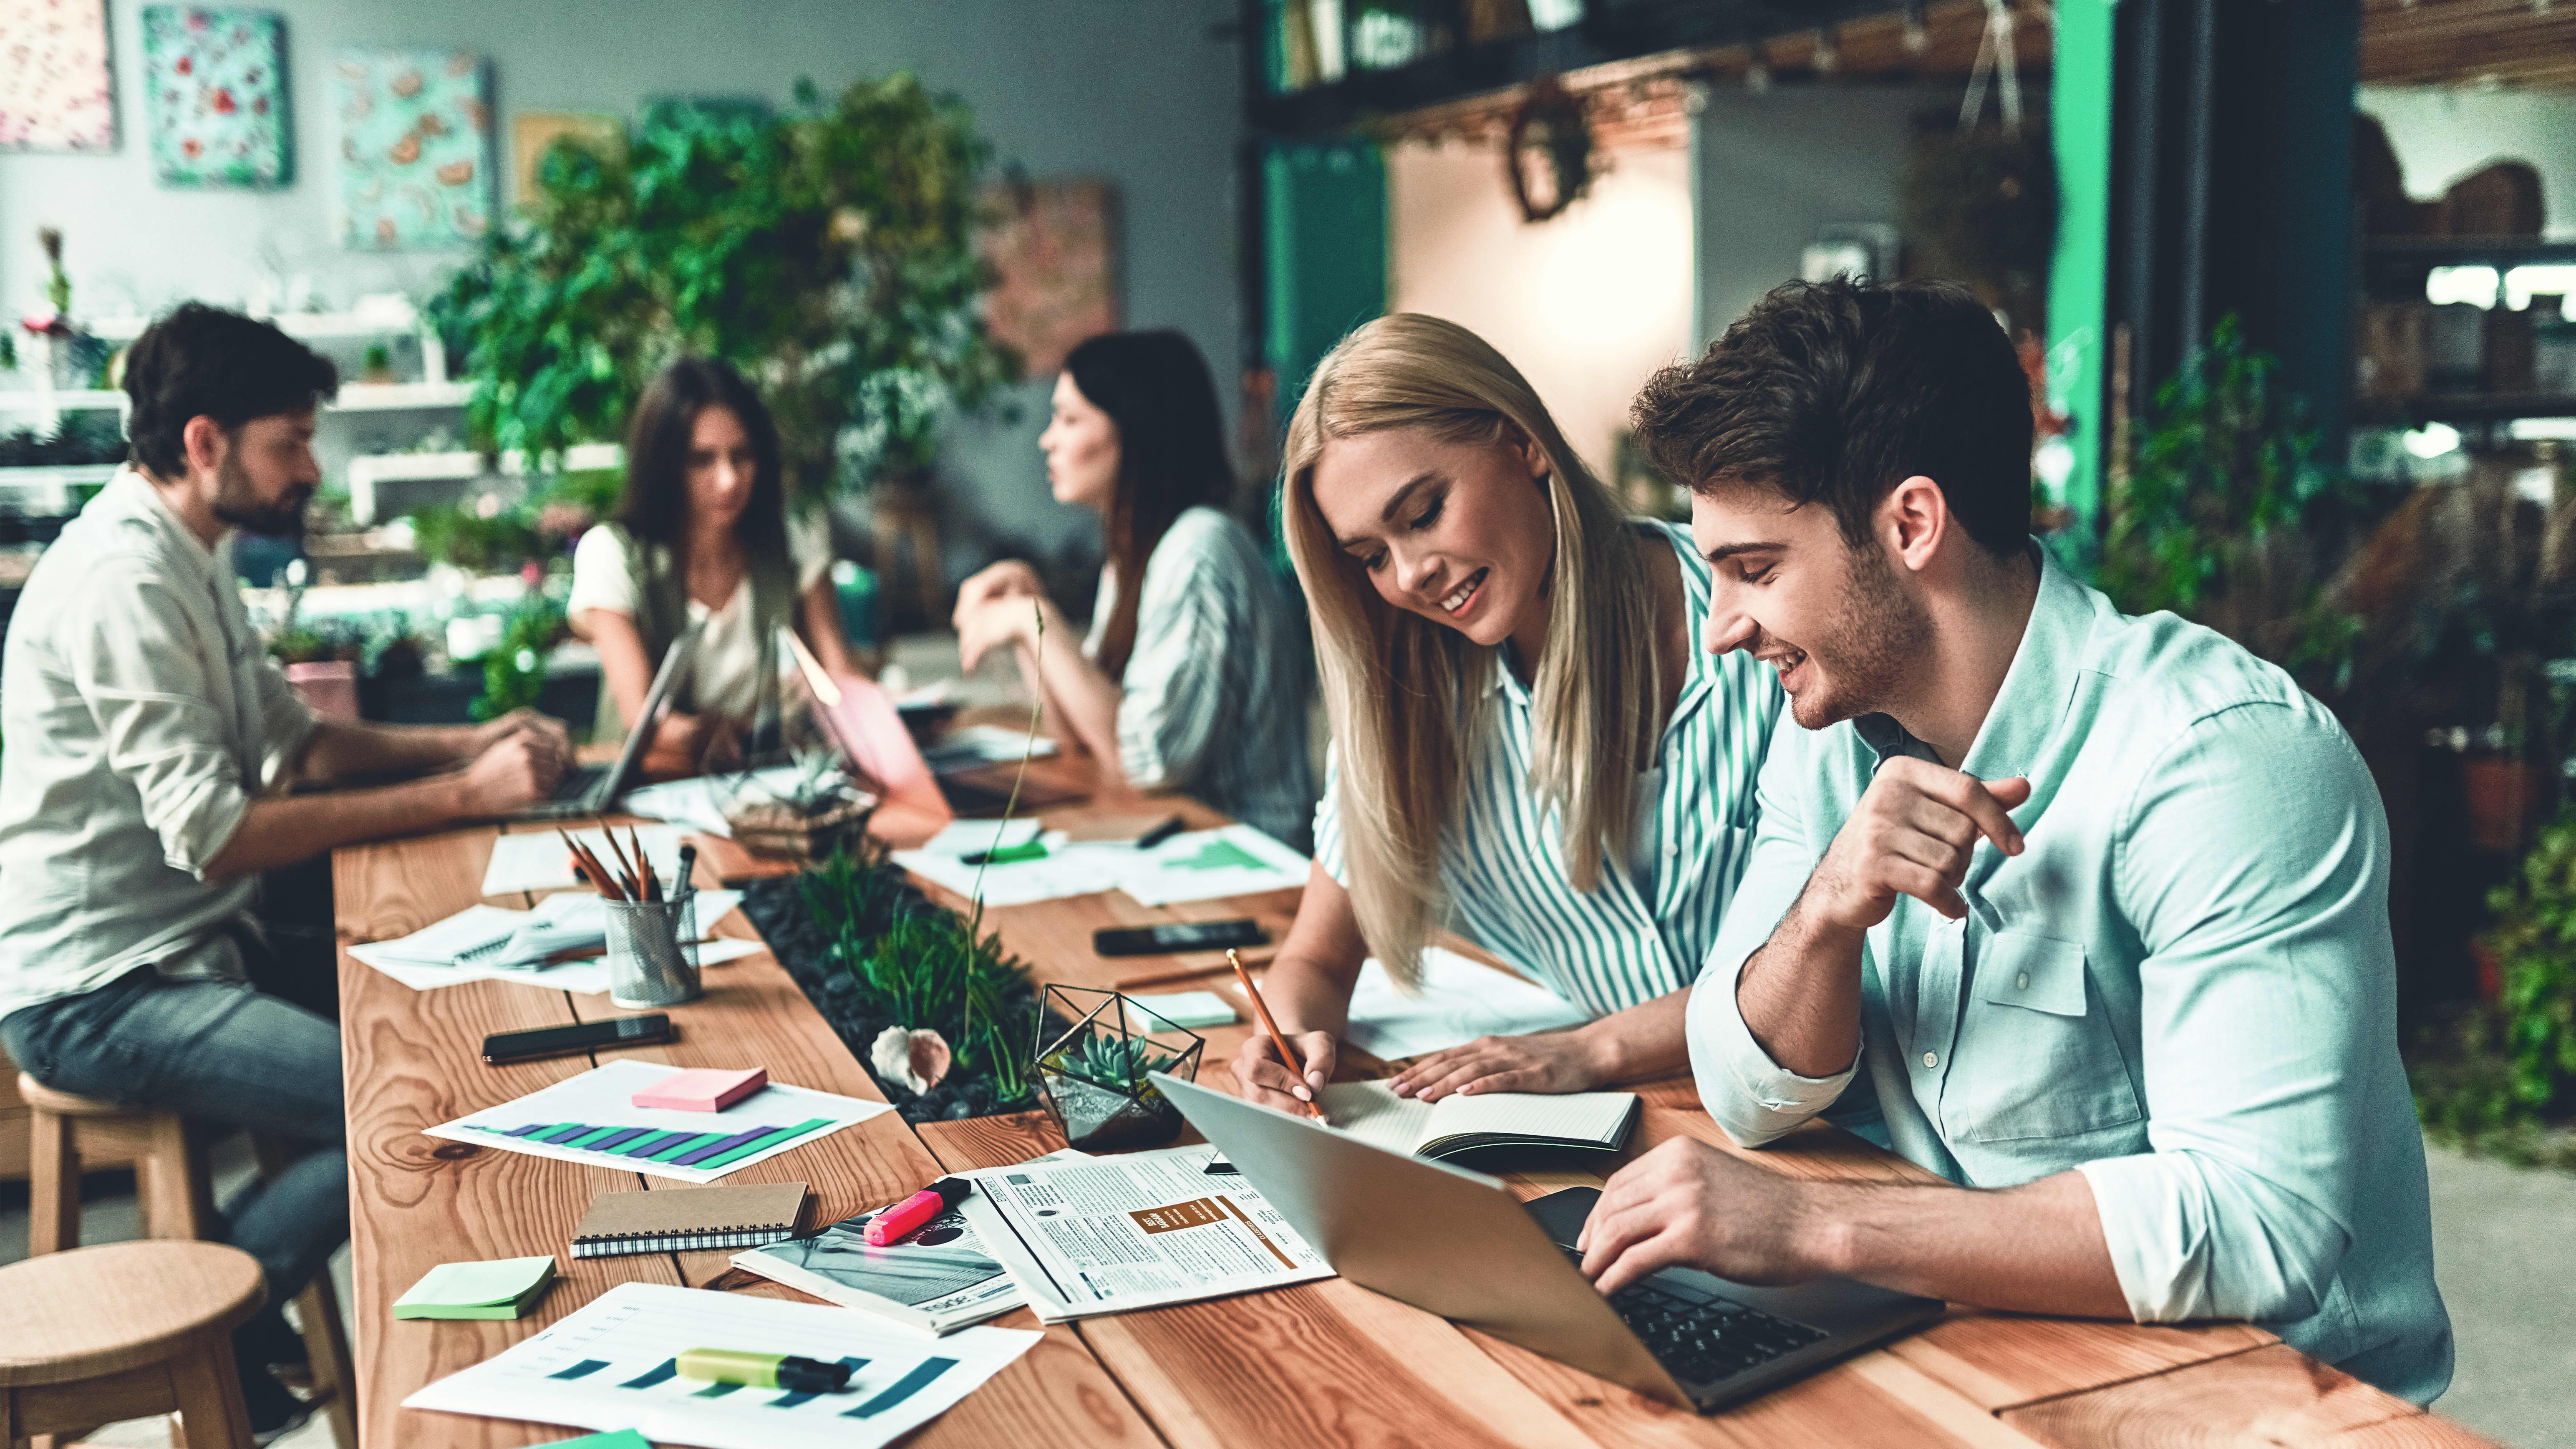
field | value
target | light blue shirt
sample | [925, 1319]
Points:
[1644, 929]
[2183, 987]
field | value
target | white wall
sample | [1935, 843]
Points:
[1585, 304]
[1137, 91]
[2442, 133]
[1776, 165]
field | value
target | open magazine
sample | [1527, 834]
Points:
[1114, 1233]
[937, 1280]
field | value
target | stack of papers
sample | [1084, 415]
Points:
[502, 1289]
[593, 1119]
[489, 943]
[1459, 1002]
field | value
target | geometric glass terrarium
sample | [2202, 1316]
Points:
[1093, 1075]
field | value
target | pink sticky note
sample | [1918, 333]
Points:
[702, 1089]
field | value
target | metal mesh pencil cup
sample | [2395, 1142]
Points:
[652, 952]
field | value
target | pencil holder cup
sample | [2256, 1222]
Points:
[652, 952]
[1093, 1075]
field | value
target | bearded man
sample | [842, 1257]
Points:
[2086, 913]
[149, 738]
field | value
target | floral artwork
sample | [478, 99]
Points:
[215, 94]
[415, 148]
[54, 93]
[1053, 248]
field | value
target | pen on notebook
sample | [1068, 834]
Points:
[1170, 827]
[1270, 1029]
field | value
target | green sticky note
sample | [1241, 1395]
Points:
[502, 1289]
[619, 1439]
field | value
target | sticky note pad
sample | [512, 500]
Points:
[618, 1439]
[702, 1089]
[501, 1289]
[1190, 1008]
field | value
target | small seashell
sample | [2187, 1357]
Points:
[918, 1059]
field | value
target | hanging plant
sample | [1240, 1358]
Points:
[1548, 156]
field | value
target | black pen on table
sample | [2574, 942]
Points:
[1170, 827]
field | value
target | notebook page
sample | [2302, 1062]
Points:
[1373, 1113]
[1581, 1117]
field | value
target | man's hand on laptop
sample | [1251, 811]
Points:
[547, 734]
[513, 770]
[1267, 1082]
[1911, 834]
[1688, 1204]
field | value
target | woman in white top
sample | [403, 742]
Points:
[1526, 747]
[1196, 670]
[702, 532]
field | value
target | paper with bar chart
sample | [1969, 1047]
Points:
[612, 1364]
[592, 1118]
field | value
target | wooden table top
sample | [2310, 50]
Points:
[1326, 1363]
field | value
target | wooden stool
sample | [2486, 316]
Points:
[177, 1197]
[125, 1331]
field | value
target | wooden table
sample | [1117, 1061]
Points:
[1326, 1363]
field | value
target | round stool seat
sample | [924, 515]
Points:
[91, 1312]
[64, 1104]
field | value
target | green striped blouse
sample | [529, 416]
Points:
[1643, 932]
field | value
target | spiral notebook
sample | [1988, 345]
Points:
[683, 1219]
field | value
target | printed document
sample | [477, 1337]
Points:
[613, 1364]
[1149, 1228]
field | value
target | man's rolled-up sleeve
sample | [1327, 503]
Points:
[136, 659]
[2256, 868]
[1753, 1097]
[286, 721]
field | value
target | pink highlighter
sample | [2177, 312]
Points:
[899, 1222]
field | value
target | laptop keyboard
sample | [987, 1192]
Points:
[1705, 1341]
[576, 782]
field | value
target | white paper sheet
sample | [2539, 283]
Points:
[973, 837]
[609, 1365]
[1133, 1231]
[430, 957]
[1461, 1000]
[1201, 865]
[535, 860]
[1067, 869]
[603, 1097]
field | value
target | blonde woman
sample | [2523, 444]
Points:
[1527, 749]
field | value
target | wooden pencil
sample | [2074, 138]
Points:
[1261, 1009]
[643, 865]
[1167, 978]
[634, 890]
[600, 875]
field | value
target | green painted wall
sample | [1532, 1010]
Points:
[1324, 251]
[2079, 344]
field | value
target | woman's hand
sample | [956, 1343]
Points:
[1005, 580]
[1004, 619]
[1550, 1061]
[1267, 1081]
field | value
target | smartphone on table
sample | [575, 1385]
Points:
[520, 1046]
[1174, 936]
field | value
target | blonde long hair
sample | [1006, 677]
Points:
[1406, 695]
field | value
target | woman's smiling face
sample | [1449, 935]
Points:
[1459, 533]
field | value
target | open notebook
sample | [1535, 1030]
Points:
[1455, 1125]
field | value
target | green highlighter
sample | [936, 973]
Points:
[764, 1370]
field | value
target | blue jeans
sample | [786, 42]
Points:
[222, 1052]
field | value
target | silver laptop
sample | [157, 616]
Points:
[591, 789]
[1459, 1244]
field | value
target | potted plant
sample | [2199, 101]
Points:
[828, 252]
[1095, 1074]
[823, 814]
[2505, 1078]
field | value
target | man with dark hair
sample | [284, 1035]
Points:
[146, 730]
[2086, 913]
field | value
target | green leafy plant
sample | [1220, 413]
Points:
[1107, 1060]
[827, 252]
[2218, 516]
[514, 674]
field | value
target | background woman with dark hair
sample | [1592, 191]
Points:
[1194, 675]
[702, 532]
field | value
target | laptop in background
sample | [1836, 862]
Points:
[1459, 1244]
[591, 789]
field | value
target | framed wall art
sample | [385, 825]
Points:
[55, 91]
[415, 158]
[215, 96]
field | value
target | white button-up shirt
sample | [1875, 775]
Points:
[140, 714]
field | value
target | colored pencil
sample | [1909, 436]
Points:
[643, 865]
[600, 875]
[1270, 1028]
[634, 890]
